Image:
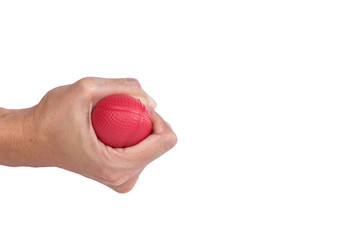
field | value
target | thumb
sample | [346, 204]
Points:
[161, 140]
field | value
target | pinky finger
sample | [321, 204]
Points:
[127, 186]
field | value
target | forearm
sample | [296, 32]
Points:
[13, 144]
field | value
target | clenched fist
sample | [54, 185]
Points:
[58, 132]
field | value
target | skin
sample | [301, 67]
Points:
[57, 132]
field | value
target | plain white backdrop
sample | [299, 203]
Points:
[263, 95]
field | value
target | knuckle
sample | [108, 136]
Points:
[170, 139]
[115, 178]
[87, 85]
[126, 188]
[133, 82]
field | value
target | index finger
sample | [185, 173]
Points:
[98, 88]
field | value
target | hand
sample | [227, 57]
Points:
[58, 132]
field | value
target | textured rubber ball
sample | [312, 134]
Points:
[121, 121]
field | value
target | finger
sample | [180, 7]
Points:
[129, 86]
[126, 187]
[161, 140]
[98, 88]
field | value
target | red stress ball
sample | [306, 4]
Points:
[121, 121]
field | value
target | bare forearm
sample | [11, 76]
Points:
[13, 145]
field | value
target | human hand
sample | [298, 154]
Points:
[58, 132]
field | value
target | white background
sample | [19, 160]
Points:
[263, 95]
